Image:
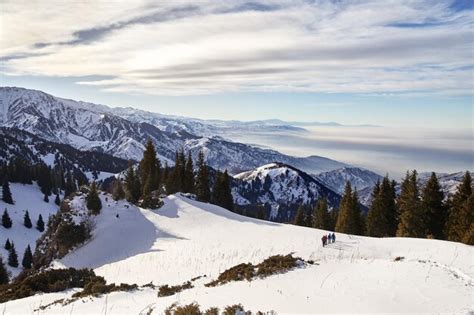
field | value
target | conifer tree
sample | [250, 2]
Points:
[461, 212]
[70, 185]
[132, 186]
[149, 166]
[382, 215]
[13, 257]
[27, 258]
[189, 175]
[93, 201]
[299, 217]
[4, 278]
[8, 245]
[412, 222]
[6, 221]
[321, 218]
[260, 213]
[27, 221]
[434, 208]
[40, 223]
[118, 193]
[468, 210]
[6, 193]
[57, 200]
[349, 217]
[222, 193]
[203, 192]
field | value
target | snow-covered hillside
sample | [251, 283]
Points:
[186, 239]
[87, 126]
[281, 187]
[358, 177]
[26, 197]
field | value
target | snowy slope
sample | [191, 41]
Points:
[281, 187]
[187, 239]
[358, 177]
[26, 197]
[87, 126]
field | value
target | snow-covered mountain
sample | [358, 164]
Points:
[281, 189]
[87, 126]
[16, 143]
[358, 177]
[191, 241]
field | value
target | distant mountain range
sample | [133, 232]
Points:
[123, 132]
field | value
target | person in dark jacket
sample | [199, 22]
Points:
[324, 240]
[333, 236]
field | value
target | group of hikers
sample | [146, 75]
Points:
[328, 239]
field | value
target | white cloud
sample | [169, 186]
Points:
[334, 47]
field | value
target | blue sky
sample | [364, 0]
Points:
[403, 63]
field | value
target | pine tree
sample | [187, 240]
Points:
[27, 258]
[382, 215]
[222, 193]
[40, 224]
[412, 221]
[148, 168]
[349, 217]
[260, 213]
[468, 210]
[57, 200]
[6, 193]
[132, 186]
[27, 221]
[8, 245]
[93, 201]
[4, 278]
[189, 175]
[46, 198]
[118, 193]
[321, 218]
[203, 192]
[13, 257]
[434, 208]
[461, 212]
[299, 217]
[6, 221]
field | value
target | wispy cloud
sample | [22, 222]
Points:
[211, 47]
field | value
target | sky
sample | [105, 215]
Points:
[392, 63]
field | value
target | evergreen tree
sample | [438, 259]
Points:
[260, 213]
[468, 210]
[57, 200]
[4, 278]
[461, 212]
[6, 193]
[203, 192]
[132, 186]
[434, 208]
[382, 215]
[412, 221]
[27, 221]
[13, 257]
[189, 175]
[93, 201]
[40, 224]
[118, 193]
[70, 185]
[27, 258]
[222, 194]
[148, 168]
[46, 198]
[349, 217]
[299, 217]
[6, 221]
[321, 218]
[8, 245]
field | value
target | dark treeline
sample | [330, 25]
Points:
[50, 180]
[143, 184]
[420, 212]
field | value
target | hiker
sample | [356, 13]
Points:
[333, 237]
[324, 239]
[329, 238]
